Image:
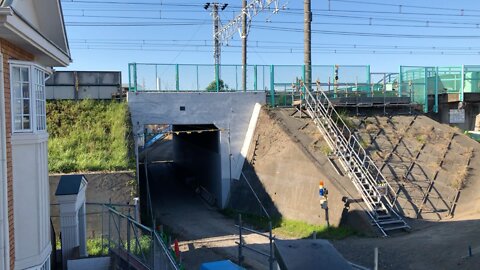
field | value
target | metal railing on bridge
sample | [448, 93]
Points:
[416, 85]
[280, 82]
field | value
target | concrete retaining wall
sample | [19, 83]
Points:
[230, 112]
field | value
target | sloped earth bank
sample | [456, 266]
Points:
[433, 167]
[286, 162]
[444, 167]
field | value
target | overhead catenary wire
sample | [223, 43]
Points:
[299, 51]
[405, 6]
[386, 23]
[257, 43]
[425, 21]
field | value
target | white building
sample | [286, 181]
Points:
[32, 41]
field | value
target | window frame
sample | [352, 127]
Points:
[32, 84]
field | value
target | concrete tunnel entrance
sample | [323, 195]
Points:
[185, 164]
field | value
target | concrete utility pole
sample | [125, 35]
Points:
[308, 42]
[244, 46]
[216, 39]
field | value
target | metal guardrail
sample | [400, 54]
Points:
[151, 77]
[256, 196]
[242, 245]
[136, 244]
[376, 192]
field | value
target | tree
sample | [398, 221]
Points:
[212, 87]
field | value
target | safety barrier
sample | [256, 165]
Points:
[136, 245]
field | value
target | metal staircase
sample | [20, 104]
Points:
[378, 195]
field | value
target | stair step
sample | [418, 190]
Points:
[320, 109]
[386, 222]
[395, 228]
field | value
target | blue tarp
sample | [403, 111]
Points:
[220, 265]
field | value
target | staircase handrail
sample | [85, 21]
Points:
[356, 144]
[367, 197]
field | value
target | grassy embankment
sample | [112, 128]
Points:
[292, 228]
[88, 135]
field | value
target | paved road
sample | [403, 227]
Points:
[204, 234]
[434, 245]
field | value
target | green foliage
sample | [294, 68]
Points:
[292, 228]
[325, 149]
[94, 247]
[345, 117]
[363, 143]
[299, 229]
[222, 86]
[88, 135]
[141, 246]
[422, 138]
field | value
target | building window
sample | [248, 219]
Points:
[28, 97]
[40, 104]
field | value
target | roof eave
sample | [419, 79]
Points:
[20, 27]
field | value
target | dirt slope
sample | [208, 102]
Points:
[430, 164]
[286, 162]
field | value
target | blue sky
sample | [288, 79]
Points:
[107, 35]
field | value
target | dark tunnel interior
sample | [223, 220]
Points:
[186, 163]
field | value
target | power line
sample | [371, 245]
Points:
[286, 10]
[129, 24]
[256, 44]
[400, 6]
[366, 34]
[133, 3]
[259, 43]
[370, 19]
[299, 51]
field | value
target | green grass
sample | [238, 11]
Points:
[94, 247]
[345, 116]
[299, 229]
[88, 135]
[291, 228]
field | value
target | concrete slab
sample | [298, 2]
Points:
[309, 254]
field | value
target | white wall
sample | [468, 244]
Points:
[27, 10]
[99, 263]
[225, 110]
[44, 16]
[31, 199]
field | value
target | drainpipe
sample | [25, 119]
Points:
[4, 244]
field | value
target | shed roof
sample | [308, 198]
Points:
[70, 184]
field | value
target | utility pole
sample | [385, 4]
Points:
[240, 24]
[307, 6]
[216, 39]
[244, 46]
